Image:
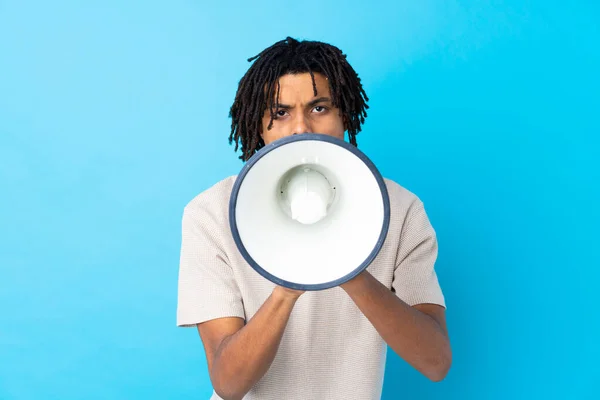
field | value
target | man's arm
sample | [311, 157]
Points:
[239, 355]
[417, 334]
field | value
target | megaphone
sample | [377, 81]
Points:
[309, 211]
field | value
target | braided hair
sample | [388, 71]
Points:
[259, 89]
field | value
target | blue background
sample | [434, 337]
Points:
[113, 115]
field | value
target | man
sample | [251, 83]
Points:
[263, 341]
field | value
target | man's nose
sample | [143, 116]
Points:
[301, 125]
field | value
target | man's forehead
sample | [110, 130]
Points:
[300, 87]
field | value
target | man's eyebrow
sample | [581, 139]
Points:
[318, 100]
[311, 103]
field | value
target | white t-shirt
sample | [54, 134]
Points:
[329, 350]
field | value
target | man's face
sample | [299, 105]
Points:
[300, 111]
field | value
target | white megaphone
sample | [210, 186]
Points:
[309, 211]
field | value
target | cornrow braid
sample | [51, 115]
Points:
[260, 84]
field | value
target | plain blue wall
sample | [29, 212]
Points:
[113, 116]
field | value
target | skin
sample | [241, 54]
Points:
[300, 111]
[240, 353]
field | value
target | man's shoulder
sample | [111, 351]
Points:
[400, 197]
[216, 197]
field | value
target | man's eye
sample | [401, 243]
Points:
[319, 109]
[280, 113]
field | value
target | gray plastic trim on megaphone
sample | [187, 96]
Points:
[282, 142]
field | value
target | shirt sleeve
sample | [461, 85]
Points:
[415, 280]
[206, 286]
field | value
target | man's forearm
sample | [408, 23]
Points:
[413, 335]
[244, 357]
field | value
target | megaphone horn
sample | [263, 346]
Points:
[309, 211]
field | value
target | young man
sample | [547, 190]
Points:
[263, 341]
